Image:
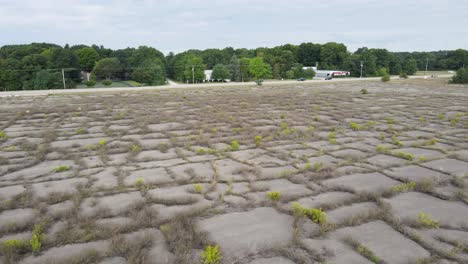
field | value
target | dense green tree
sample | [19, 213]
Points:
[259, 69]
[410, 66]
[333, 56]
[235, 69]
[44, 79]
[309, 53]
[107, 68]
[194, 69]
[245, 69]
[87, 58]
[220, 72]
[461, 76]
[297, 71]
[144, 53]
[150, 72]
[10, 75]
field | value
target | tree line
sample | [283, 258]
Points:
[39, 65]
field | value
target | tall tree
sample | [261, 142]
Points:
[259, 69]
[87, 58]
[107, 68]
[220, 72]
[235, 69]
[410, 66]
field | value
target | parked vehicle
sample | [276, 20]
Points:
[301, 79]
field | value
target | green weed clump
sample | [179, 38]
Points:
[198, 188]
[61, 168]
[371, 123]
[135, 148]
[258, 140]
[318, 166]
[102, 142]
[404, 155]
[316, 215]
[81, 131]
[274, 196]
[367, 253]
[431, 142]
[139, 183]
[13, 248]
[382, 149]
[356, 126]
[37, 238]
[364, 91]
[201, 151]
[211, 255]
[391, 121]
[3, 135]
[332, 137]
[426, 220]
[235, 145]
[404, 187]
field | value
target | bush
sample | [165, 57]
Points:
[90, 83]
[107, 82]
[211, 255]
[386, 78]
[461, 76]
[259, 82]
[274, 196]
[403, 75]
[364, 91]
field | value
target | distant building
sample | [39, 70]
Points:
[328, 73]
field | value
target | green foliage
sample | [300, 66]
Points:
[403, 187]
[107, 82]
[316, 215]
[61, 168]
[426, 220]
[13, 248]
[150, 71]
[87, 58]
[81, 131]
[364, 91]
[37, 237]
[259, 69]
[461, 76]
[3, 135]
[90, 83]
[107, 68]
[318, 166]
[198, 188]
[332, 137]
[404, 155]
[410, 67]
[102, 142]
[220, 72]
[391, 121]
[385, 78]
[382, 149]
[235, 145]
[135, 148]
[367, 253]
[355, 126]
[274, 196]
[139, 183]
[211, 255]
[201, 151]
[258, 140]
[403, 75]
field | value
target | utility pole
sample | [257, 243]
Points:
[362, 64]
[63, 78]
[193, 73]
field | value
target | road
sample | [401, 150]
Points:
[174, 85]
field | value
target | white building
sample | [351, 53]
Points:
[328, 73]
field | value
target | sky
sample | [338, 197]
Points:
[175, 25]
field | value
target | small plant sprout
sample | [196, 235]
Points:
[391, 121]
[355, 126]
[258, 140]
[3, 135]
[198, 188]
[274, 196]
[426, 220]
[235, 145]
[211, 255]
[316, 215]
[81, 131]
[61, 168]
[12, 248]
[139, 183]
[37, 237]
[135, 148]
[404, 187]
[102, 142]
[364, 91]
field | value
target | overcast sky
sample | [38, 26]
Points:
[174, 25]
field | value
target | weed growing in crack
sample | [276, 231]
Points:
[37, 237]
[211, 255]
[198, 188]
[404, 187]
[355, 126]
[426, 221]
[258, 140]
[404, 155]
[316, 215]
[274, 196]
[61, 168]
[235, 145]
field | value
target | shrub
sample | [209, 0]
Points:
[61, 168]
[258, 140]
[403, 75]
[12, 248]
[259, 82]
[81, 131]
[90, 83]
[404, 155]
[107, 82]
[364, 91]
[211, 255]
[426, 220]
[460, 77]
[385, 78]
[3, 135]
[355, 126]
[404, 187]
[316, 215]
[235, 145]
[198, 188]
[274, 196]
[37, 238]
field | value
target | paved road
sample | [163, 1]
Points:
[173, 85]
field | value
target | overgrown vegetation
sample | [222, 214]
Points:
[211, 255]
[426, 220]
[274, 196]
[316, 215]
